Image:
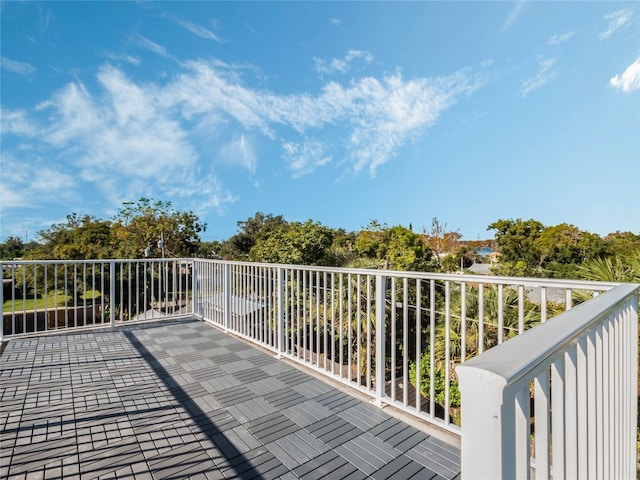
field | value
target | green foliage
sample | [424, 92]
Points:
[623, 244]
[516, 240]
[81, 237]
[209, 249]
[439, 376]
[397, 248]
[142, 225]
[529, 249]
[11, 248]
[306, 243]
[239, 245]
[614, 269]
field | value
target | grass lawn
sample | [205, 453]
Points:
[51, 300]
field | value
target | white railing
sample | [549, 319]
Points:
[47, 295]
[375, 330]
[558, 401]
[396, 336]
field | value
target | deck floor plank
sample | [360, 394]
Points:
[179, 399]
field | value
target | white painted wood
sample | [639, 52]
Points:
[542, 401]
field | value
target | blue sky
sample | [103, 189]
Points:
[338, 112]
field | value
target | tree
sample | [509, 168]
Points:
[238, 246]
[79, 238]
[11, 248]
[209, 249]
[155, 228]
[623, 244]
[440, 239]
[306, 243]
[516, 241]
[396, 247]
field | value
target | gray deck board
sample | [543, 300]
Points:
[182, 399]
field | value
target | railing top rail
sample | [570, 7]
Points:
[459, 278]
[453, 277]
[513, 359]
[10, 263]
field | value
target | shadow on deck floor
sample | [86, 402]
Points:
[181, 399]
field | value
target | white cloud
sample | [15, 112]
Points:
[335, 21]
[239, 151]
[28, 183]
[304, 158]
[341, 65]
[542, 77]
[515, 12]
[151, 46]
[198, 30]
[131, 139]
[123, 58]
[616, 20]
[629, 80]
[559, 38]
[19, 68]
[15, 122]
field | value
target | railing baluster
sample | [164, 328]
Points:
[500, 314]
[541, 419]
[557, 418]
[463, 322]
[543, 304]
[380, 293]
[350, 324]
[419, 346]
[432, 348]
[393, 338]
[582, 410]
[405, 341]
[368, 332]
[447, 351]
[341, 321]
[480, 318]
[522, 434]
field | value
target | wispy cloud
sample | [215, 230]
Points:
[122, 58]
[629, 80]
[198, 30]
[239, 150]
[19, 68]
[544, 75]
[21, 182]
[341, 65]
[559, 38]
[515, 12]
[617, 20]
[303, 158]
[133, 139]
[151, 46]
[335, 21]
[16, 122]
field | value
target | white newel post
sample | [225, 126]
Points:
[487, 446]
[381, 294]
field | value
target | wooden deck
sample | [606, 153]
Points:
[182, 399]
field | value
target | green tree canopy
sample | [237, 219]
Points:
[516, 240]
[79, 238]
[239, 245]
[306, 243]
[14, 247]
[397, 247]
[148, 225]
